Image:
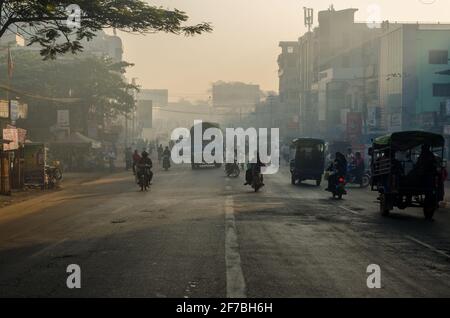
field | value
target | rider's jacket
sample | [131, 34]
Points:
[146, 161]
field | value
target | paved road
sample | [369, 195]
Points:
[199, 234]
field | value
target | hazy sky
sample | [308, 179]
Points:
[244, 43]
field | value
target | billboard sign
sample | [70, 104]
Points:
[4, 109]
[12, 135]
[63, 119]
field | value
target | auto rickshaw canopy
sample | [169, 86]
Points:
[405, 140]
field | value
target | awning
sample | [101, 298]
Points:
[78, 139]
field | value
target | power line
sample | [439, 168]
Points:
[53, 99]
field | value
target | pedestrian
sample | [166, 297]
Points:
[160, 153]
[128, 158]
[111, 159]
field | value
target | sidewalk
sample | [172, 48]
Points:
[69, 180]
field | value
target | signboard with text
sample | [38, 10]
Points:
[4, 109]
[63, 119]
[12, 135]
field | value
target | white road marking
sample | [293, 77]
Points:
[348, 210]
[428, 246]
[235, 276]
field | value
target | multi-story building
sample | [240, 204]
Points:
[388, 78]
[411, 90]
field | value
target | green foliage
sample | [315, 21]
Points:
[44, 22]
[96, 82]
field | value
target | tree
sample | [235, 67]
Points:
[95, 84]
[46, 22]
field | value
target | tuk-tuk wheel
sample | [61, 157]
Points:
[384, 205]
[429, 207]
[318, 181]
[293, 179]
[428, 212]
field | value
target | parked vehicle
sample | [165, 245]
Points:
[309, 160]
[407, 170]
[53, 174]
[198, 149]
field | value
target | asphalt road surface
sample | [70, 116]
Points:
[200, 234]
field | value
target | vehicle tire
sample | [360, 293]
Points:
[293, 179]
[429, 206]
[318, 182]
[58, 174]
[339, 196]
[365, 181]
[384, 205]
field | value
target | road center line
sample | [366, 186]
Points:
[428, 246]
[235, 276]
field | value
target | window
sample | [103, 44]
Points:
[290, 49]
[441, 90]
[438, 57]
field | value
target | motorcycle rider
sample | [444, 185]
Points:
[160, 152]
[356, 168]
[252, 169]
[145, 160]
[338, 168]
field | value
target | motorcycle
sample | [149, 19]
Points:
[232, 170]
[351, 178]
[338, 190]
[166, 163]
[257, 181]
[144, 177]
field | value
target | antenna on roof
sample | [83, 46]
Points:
[309, 17]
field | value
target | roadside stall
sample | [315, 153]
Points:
[77, 153]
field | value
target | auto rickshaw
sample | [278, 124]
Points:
[407, 171]
[308, 162]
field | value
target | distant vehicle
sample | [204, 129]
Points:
[309, 160]
[232, 170]
[401, 174]
[257, 181]
[53, 174]
[195, 149]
